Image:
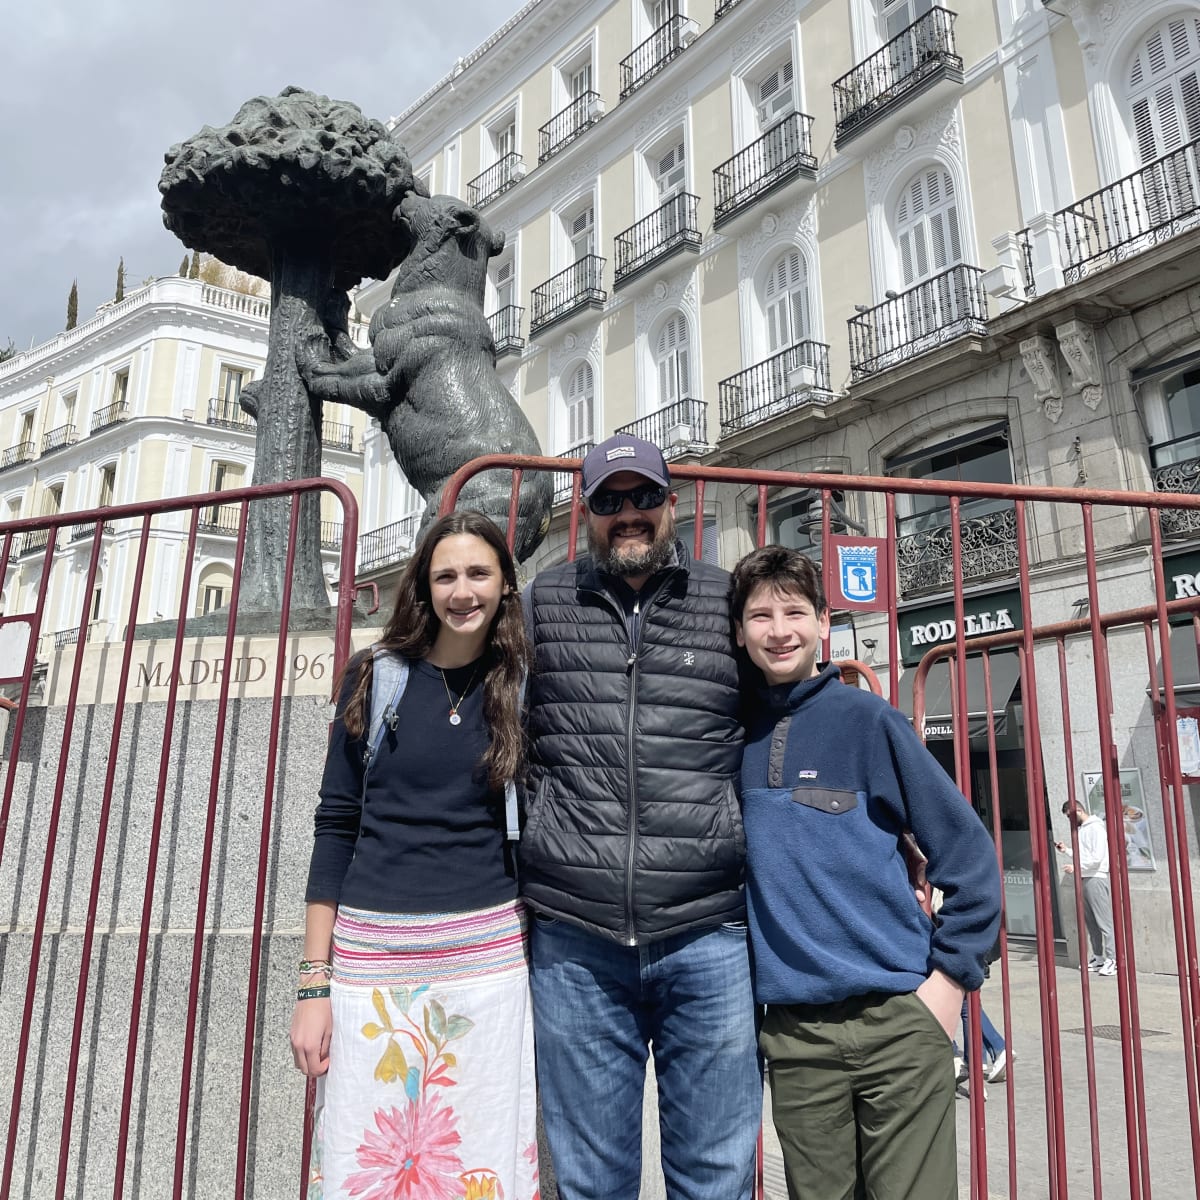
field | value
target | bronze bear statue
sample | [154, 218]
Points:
[430, 377]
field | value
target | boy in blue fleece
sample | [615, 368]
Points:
[863, 993]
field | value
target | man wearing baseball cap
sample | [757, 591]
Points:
[632, 853]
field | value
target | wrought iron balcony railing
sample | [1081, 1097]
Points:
[910, 62]
[789, 380]
[505, 324]
[564, 481]
[336, 437]
[673, 225]
[568, 123]
[70, 637]
[783, 153]
[1150, 206]
[498, 178]
[220, 518]
[34, 539]
[112, 414]
[389, 543]
[668, 40]
[680, 428]
[87, 531]
[1025, 244]
[939, 310]
[56, 439]
[925, 558]
[1182, 477]
[723, 6]
[581, 285]
[228, 414]
[22, 452]
[331, 535]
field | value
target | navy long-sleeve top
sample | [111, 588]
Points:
[429, 836]
[830, 779]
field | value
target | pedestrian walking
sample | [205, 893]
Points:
[1097, 893]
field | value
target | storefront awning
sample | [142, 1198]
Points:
[939, 721]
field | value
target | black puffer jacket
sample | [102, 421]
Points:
[633, 829]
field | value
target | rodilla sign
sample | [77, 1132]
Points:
[921, 628]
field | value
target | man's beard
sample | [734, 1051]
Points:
[638, 559]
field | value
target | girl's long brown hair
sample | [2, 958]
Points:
[413, 628]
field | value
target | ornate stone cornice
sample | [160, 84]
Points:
[940, 130]
[796, 223]
[571, 182]
[1037, 353]
[677, 291]
[775, 20]
[674, 105]
[585, 344]
[1094, 21]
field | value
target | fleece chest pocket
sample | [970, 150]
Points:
[826, 800]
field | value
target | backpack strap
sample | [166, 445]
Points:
[389, 678]
[512, 811]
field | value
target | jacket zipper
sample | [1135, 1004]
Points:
[631, 771]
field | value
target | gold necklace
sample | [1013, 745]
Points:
[455, 705]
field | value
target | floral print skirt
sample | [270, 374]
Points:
[430, 1090]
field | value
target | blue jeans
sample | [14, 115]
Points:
[990, 1036]
[597, 1008]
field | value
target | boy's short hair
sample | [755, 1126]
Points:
[784, 570]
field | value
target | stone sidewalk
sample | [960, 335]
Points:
[1168, 1123]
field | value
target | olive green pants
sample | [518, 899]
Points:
[862, 1094]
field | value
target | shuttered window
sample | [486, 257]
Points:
[581, 230]
[927, 229]
[776, 95]
[579, 404]
[673, 362]
[1164, 88]
[787, 308]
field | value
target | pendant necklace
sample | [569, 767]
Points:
[455, 705]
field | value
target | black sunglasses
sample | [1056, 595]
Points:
[609, 501]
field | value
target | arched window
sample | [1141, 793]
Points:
[927, 232]
[786, 302]
[673, 362]
[1164, 89]
[579, 401]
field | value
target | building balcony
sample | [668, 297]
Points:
[113, 414]
[220, 518]
[56, 439]
[782, 154]
[1150, 206]
[389, 543]
[665, 43]
[505, 325]
[228, 414]
[943, 308]
[34, 539]
[336, 437]
[331, 535]
[988, 543]
[496, 180]
[87, 531]
[579, 287]
[1025, 245]
[678, 429]
[913, 62]
[568, 123]
[14, 456]
[674, 226]
[723, 6]
[1182, 478]
[788, 381]
[564, 481]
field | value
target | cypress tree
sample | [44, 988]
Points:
[183, 268]
[120, 280]
[73, 305]
[194, 270]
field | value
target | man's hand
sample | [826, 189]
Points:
[1069, 869]
[943, 997]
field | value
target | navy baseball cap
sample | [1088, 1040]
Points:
[623, 453]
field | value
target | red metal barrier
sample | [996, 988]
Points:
[1060, 1090]
[152, 1005]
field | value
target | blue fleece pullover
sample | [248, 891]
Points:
[831, 777]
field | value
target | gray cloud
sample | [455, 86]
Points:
[94, 95]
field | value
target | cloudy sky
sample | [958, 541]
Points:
[93, 94]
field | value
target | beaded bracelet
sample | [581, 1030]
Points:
[313, 993]
[310, 965]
